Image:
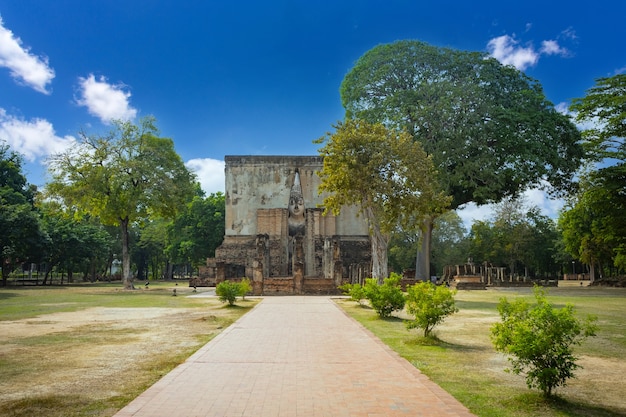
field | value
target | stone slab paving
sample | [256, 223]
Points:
[295, 357]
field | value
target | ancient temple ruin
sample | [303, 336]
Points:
[276, 233]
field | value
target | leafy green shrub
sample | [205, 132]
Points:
[355, 291]
[245, 288]
[227, 291]
[539, 340]
[430, 304]
[385, 298]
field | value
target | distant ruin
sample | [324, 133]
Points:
[276, 233]
[471, 276]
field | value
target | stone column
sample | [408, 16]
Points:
[327, 258]
[298, 264]
[337, 262]
[220, 271]
[257, 278]
[261, 264]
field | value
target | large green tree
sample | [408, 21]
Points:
[198, 230]
[74, 244]
[595, 226]
[489, 128]
[449, 245]
[149, 251]
[603, 110]
[518, 236]
[450, 242]
[122, 177]
[21, 237]
[383, 172]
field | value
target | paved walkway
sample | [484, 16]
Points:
[295, 357]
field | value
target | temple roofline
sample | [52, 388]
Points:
[273, 159]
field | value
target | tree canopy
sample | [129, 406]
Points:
[21, 236]
[593, 226]
[603, 109]
[383, 172]
[74, 244]
[198, 230]
[518, 236]
[489, 128]
[122, 177]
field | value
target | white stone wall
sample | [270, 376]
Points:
[264, 182]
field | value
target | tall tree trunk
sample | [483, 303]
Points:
[45, 277]
[127, 278]
[422, 262]
[380, 269]
[379, 242]
[592, 272]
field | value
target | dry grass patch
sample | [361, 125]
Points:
[93, 361]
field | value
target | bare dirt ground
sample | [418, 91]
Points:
[88, 354]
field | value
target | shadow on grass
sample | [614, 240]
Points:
[236, 306]
[49, 405]
[536, 400]
[477, 305]
[391, 319]
[434, 340]
[7, 295]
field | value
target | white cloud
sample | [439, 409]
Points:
[563, 108]
[533, 197]
[104, 100]
[594, 123]
[508, 51]
[548, 206]
[471, 213]
[24, 67]
[210, 173]
[568, 33]
[34, 138]
[619, 71]
[552, 47]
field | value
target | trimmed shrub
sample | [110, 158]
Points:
[355, 291]
[227, 291]
[386, 297]
[430, 304]
[245, 288]
[539, 340]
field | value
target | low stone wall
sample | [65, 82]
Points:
[278, 286]
[528, 283]
[310, 286]
[320, 286]
[468, 282]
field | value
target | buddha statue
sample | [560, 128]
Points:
[296, 218]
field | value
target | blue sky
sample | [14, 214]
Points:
[260, 78]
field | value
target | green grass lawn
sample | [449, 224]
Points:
[463, 361]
